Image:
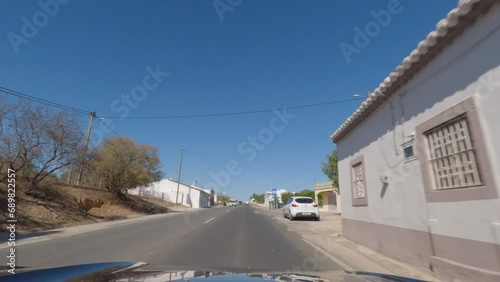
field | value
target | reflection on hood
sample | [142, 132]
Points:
[220, 276]
[135, 272]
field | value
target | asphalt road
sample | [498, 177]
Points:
[240, 239]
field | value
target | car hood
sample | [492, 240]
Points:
[134, 271]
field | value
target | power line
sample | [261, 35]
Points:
[212, 154]
[459, 56]
[295, 144]
[41, 101]
[239, 113]
[183, 174]
[265, 150]
[99, 119]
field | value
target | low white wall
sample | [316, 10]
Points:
[166, 190]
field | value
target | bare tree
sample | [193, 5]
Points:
[38, 142]
[3, 118]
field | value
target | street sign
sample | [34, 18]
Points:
[274, 191]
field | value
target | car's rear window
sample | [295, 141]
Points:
[304, 201]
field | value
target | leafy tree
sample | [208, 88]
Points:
[306, 193]
[330, 168]
[259, 198]
[121, 164]
[285, 196]
[223, 198]
[310, 193]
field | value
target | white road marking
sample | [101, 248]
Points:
[227, 210]
[209, 220]
[334, 259]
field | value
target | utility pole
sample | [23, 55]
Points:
[179, 179]
[80, 170]
[221, 198]
[267, 199]
[69, 175]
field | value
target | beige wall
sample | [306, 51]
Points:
[327, 191]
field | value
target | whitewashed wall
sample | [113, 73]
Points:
[476, 73]
[166, 189]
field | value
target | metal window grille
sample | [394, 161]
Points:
[358, 181]
[452, 155]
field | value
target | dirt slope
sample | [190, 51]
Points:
[63, 206]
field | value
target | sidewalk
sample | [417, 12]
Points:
[327, 235]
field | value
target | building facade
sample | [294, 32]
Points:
[166, 189]
[330, 195]
[270, 198]
[419, 161]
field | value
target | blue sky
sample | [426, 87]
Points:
[261, 55]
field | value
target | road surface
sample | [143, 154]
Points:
[239, 239]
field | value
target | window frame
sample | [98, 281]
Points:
[442, 160]
[487, 189]
[296, 200]
[358, 201]
[406, 145]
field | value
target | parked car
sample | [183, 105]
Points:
[301, 207]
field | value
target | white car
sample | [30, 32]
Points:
[301, 207]
[233, 203]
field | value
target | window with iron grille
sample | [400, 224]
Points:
[358, 181]
[452, 155]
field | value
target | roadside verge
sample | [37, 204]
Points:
[326, 237]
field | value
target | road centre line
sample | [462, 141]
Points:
[209, 220]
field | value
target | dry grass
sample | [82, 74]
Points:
[54, 206]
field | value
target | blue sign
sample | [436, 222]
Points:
[274, 191]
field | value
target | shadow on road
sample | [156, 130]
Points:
[4, 237]
[304, 219]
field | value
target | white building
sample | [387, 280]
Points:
[166, 189]
[270, 197]
[419, 161]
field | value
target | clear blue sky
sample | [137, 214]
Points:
[262, 55]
